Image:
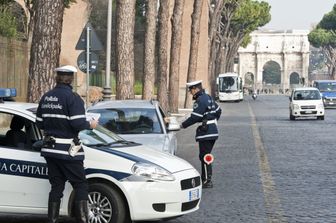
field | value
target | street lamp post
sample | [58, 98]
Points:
[107, 89]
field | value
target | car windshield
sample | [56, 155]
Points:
[327, 86]
[130, 120]
[307, 95]
[100, 136]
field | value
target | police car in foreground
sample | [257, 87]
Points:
[127, 181]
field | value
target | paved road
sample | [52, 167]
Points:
[267, 168]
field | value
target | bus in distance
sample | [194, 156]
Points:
[229, 87]
[328, 91]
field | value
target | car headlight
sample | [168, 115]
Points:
[152, 172]
[321, 105]
[295, 106]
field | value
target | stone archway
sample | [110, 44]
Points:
[288, 49]
[271, 73]
[294, 79]
[271, 77]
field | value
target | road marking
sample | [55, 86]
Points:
[271, 197]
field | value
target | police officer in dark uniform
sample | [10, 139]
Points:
[206, 112]
[61, 115]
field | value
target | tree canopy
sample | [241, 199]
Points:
[239, 19]
[324, 36]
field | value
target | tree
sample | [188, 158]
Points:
[230, 29]
[195, 27]
[8, 24]
[150, 35]
[324, 36]
[163, 54]
[175, 54]
[46, 47]
[215, 9]
[125, 49]
[247, 17]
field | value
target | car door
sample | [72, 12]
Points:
[23, 172]
[170, 140]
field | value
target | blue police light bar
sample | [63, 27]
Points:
[7, 92]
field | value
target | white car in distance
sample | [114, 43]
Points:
[306, 102]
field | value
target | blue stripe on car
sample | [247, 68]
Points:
[115, 174]
[40, 170]
[23, 168]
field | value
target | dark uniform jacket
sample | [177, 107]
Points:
[205, 111]
[61, 114]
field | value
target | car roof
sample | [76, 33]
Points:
[132, 103]
[305, 88]
[21, 107]
[325, 81]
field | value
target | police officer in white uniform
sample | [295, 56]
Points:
[61, 115]
[206, 112]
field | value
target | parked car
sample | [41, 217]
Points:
[127, 181]
[306, 102]
[141, 121]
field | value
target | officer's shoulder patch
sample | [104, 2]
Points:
[195, 105]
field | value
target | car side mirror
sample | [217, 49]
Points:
[173, 124]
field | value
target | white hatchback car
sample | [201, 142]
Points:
[306, 102]
[127, 181]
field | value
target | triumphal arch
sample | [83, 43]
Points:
[275, 61]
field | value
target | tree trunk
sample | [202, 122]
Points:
[125, 49]
[195, 27]
[214, 17]
[46, 47]
[175, 54]
[150, 34]
[330, 53]
[163, 55]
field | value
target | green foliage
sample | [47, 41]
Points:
[5, 2]
[324, 35]
[140, 10]
[328, 21]
[68, 2]
[250, 15]
[8, 24]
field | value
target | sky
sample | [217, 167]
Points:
[297, 14]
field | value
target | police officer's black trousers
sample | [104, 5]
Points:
[59, 171]
[205, 147]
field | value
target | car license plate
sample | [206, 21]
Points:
[194, 194]
[308, 112]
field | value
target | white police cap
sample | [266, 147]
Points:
[66, 69]
[194, 83]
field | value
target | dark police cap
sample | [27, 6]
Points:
[66, 70]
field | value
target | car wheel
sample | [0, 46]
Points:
[106, 204]
[291, 117]
[320, 117]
